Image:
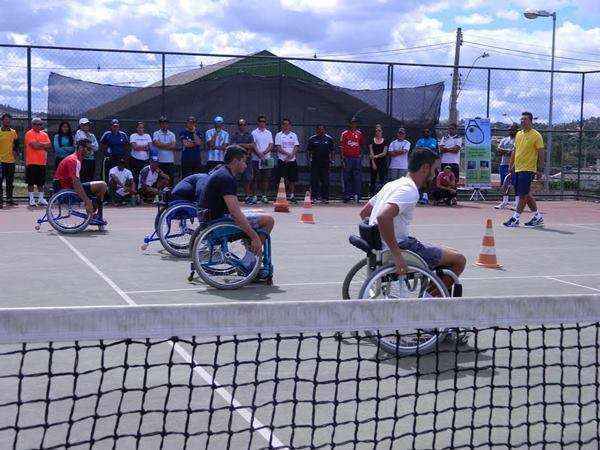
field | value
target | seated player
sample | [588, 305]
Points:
[190, 188]
[66, 176]
[152, 180]
[445, 187]
[120, 183]
[219, 199]
[391, 209]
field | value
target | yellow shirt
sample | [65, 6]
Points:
[7, 141]
[527, 146]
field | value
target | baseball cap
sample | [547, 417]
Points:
[191, 119]
[162, 119]
[37, 120]
[154, 158]
[83, 121]
[401, 130]
[114, 122]
[218, 119]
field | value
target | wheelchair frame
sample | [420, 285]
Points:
[88, 219]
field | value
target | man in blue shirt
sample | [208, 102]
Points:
[115, 145]
[430, 142]
[220, 200]
[191, 142]
[320, 148]
[217, 140]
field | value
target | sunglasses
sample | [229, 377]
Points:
[262, 121]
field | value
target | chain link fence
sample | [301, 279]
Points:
[58, 83]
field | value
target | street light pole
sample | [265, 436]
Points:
[550, 108]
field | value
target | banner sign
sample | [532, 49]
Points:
[478, 153]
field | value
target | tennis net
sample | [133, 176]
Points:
[278, 375]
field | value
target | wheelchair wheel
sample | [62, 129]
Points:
[355, 277]
[176, 226]
[66, 212]
[384, 283]
[217, 254]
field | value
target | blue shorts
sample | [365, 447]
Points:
[253, 219]
[431, 254]
[523, 183]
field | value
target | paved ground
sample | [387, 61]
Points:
[44, 269]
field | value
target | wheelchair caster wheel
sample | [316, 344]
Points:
[143, 247]
[269, 281]
[37, 228]
[190, 278]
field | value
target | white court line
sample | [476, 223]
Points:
[573, 284]
[245, 413]
[586, 227]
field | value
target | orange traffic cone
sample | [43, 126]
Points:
[281, 203]
[307, 215]
[487, 256]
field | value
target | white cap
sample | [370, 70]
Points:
[83, 121]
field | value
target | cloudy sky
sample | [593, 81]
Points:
[386, 30]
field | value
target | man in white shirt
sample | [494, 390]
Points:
[120, 183]
[263, 161]
[152, 180]
[165, 145]
[286, 147]
[398, 151]
[450, 147]
[391, 209]
[505, 149]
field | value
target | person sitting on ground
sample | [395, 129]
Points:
[392, 208]
[120, 183]
[152, 180]
[67, 176]
[190, 188]
[219, 199]
[445, 187]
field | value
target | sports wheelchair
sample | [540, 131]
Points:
[220, 255]
[174, 225]
[66, 213]
[374, 277]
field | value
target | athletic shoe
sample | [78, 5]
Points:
[293, 200]
[511, 223]
[11, 202]
[458, 337]
[32, 203]
[535, 222]
[42, 202]
[501, 205]
[249, 201]
[254, 200]
[248, 262]
[265, 200]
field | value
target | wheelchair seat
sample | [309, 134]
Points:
[369, 239]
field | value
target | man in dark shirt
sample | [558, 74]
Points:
[320, 148]
[244, 139]
[220, 200]
[115, 145]
[191, 142]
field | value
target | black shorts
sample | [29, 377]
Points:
[288, 170]
[87, 188]
[35, 175]
[523, 183]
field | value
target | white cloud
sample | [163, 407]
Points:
[510, 14]
[473, 19]
[470, 4]
[319, 7]
[433, 8]
[19, 38]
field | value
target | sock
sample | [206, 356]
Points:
[516, 216]
[505, 199]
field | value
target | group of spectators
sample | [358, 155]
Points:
[137, 166]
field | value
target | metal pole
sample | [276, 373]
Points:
[391, 95]
[29, 112]
[280, 112]
[550, 124]
[489, 73]
[162, 87]
[453, 112]
[579, 144]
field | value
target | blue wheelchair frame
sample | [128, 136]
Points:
[220, 240]
[162, 207]
[71, 195]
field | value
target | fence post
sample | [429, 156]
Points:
[29, 112]
[489, 76]
[162, 86]
[580, 135]
[280, 93]
[390, 96]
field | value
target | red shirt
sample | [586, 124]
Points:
[351, 142]
[446, 179]
[67, 171]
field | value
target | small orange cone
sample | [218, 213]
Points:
[487, 256]
[307, 215]
[281, 203]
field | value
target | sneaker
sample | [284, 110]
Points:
[502, 205]
[248, 262]
[535, 222]
[42, 202]
[11, 202]
[32, 203]
[254, 199]
[248, 201]
[293, 200]
[511, 223]
[458, 337]
[265, 200]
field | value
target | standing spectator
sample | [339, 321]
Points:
[121, 184]
[526, 161]
[244, 139]
[152, 180]
[351, 144]
[63, 143]
[430, 142]
[9, 142]
[450, 147]
[37, 144]
[286, 147]
[377, 157]
[140, 150]
[398, 151]
[165, 142]
[320, 149]
[88, 168]
[191, 143]
[115, 145]
[505, 150]
[217, 140]
[263, 161]
[445, 187]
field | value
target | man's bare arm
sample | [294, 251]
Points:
[385, 221]
[365, 212]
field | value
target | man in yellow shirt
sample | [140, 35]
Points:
[526, 162]
[8, 148]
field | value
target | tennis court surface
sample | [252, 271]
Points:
[262, 367]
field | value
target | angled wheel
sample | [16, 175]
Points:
[176, 226]
[66, 212]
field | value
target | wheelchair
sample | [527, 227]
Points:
[174, 225]
[218, 250]
[374, 277]
[66, 213]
